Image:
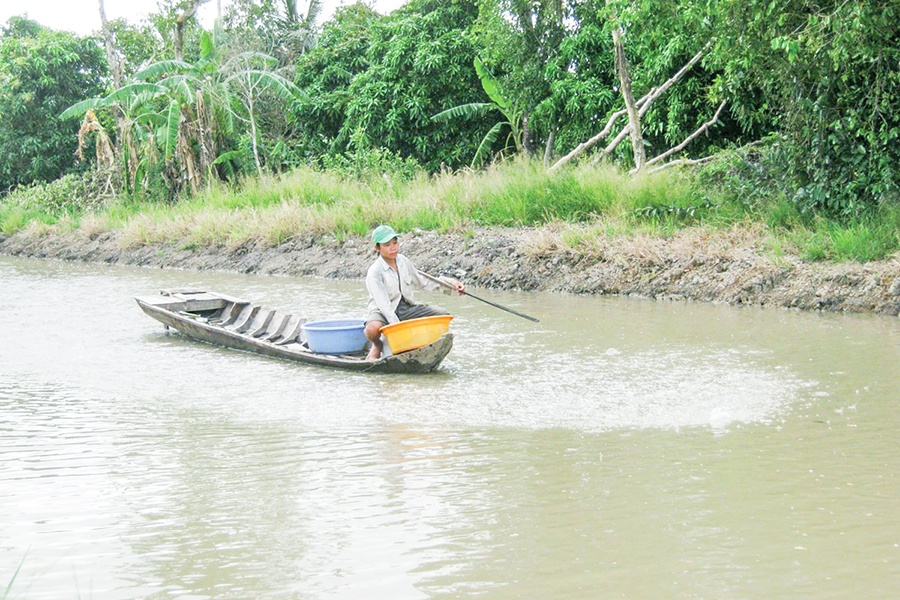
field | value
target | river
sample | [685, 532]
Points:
[618, 449]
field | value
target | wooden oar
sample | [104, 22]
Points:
[452, 287]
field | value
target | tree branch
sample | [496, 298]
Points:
[700, 131]
[584, 146]
[180, 21]
[643, 105]
[680, 162]
[634, 117]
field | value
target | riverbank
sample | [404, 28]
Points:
[728, 267]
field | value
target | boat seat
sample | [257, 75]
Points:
[292, 331]
[231, 312]
[244, 319]
[279, 323]
[260, 324]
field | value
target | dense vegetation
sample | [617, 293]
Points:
[454, 113]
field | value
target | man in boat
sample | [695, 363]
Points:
[390, 281]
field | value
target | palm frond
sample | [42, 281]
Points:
[491, 85]
[128, 92]
[313, 12]
[162, 68]
[170, 130]
[484, 148]
[151, 118]
[79, 108]
[181, 87]
[465, 111]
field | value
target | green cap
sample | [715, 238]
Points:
[383, 233]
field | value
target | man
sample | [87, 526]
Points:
[390, 281]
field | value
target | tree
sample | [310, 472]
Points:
[41, 72]
[499, 103]
[186, 113]
[517, 39]
[419, 63]
[326, 73]
[828, 70]
[277, 27]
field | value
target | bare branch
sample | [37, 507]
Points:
[680, 162]
[657, 92]
[548, 148]
[584, 146]
[643, 105]
[700, 131]
[634, 118]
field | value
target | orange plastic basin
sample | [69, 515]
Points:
[415, 333]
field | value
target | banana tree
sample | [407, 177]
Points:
[512, 114]
[249, 76]
[186, 113]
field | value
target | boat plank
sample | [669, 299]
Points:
[293, 333]
[260, 324]
[232, 311]
[276, 333]
[242, 323]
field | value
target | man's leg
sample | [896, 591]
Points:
[373, 334]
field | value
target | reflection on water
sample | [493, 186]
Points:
[618, 448]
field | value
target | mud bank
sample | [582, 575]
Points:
[725, 268]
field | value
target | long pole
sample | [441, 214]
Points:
[494, 304]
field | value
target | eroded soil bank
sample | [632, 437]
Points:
[727, 268]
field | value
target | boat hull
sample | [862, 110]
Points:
[226, 321]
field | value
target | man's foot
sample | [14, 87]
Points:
[374, 353]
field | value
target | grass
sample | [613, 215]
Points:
[585, 208]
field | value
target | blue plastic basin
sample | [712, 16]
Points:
[337, 336]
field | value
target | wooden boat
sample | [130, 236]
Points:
[220, 319]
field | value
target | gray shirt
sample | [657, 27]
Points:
[387, 286]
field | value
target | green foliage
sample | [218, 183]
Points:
[188, 114]
[829, 70]
[374, 165]
[42, 72]
[273, 26]
[325, 74]
[521, 193]
[136, 45]
[865, 239]
[684, 214]
[754, 177]
[416, 63]
[816, 82]
[70, 195]
[500, 103]
[517, 40]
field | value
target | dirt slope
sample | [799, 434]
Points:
[727, 268]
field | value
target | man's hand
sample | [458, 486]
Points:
[455, 284]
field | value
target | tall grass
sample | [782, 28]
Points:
[586, 206]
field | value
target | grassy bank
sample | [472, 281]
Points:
[583, 206]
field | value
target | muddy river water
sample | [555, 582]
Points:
[618, 449]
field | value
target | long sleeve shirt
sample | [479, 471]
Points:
[386, 286]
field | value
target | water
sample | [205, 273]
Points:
[618, 448]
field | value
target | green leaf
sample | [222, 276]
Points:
[491, 86]
[79, 108]
[163, 67]
[484, 148]
[206, 45]
[130, 91]
[170, 130]
[465, 111]
[227, 156]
